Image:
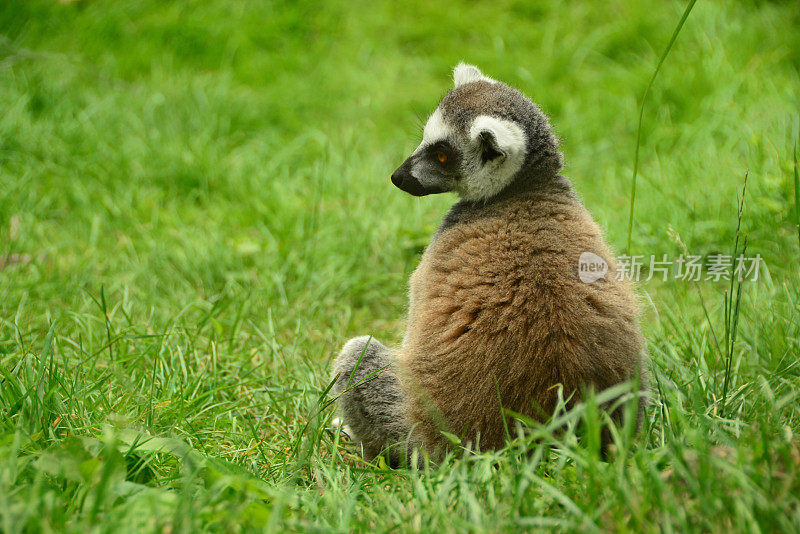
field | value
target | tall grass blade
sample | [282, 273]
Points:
[641, 115]
[732, 302]
[797, 191]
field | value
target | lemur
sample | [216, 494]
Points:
[498, 317]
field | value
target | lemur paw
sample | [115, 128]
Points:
[337, 425]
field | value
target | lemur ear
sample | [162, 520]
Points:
[464, 73]
[489, 148]
[497, 137]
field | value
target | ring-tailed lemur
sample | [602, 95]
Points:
[498, 315]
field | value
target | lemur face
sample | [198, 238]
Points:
[435, 166]
[477, 141]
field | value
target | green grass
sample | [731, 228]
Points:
[195, 214]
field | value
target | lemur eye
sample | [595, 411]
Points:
[441, 156]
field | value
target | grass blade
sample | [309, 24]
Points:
[641, 115]
[796, 192]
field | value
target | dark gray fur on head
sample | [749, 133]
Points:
[462, 104]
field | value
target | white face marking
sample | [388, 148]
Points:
[435, 129]
[484, 180]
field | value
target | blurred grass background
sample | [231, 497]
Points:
[195, 213]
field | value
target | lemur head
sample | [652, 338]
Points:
[483, 136]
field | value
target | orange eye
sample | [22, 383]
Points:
[441, 156]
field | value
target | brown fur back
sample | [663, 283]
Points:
[497, 314]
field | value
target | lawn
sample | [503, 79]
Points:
[196, 213]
